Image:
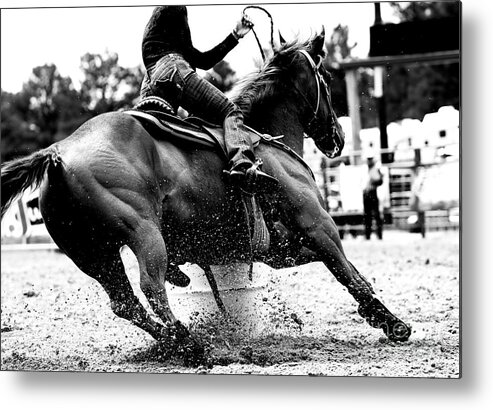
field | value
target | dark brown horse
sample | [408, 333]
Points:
[112, 184]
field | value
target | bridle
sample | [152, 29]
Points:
[321, 83]
[315, 123]
[319, 78]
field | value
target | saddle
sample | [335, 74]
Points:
[160, 120]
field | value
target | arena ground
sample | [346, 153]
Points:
[54, 318]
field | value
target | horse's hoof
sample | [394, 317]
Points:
[379, 317]
[398, 332]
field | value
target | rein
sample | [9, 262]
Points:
[275, 142]
[278, 144]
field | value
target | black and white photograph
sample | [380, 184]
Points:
[234, 189]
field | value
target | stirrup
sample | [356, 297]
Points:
[252, 179]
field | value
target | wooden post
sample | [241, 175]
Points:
[386, 157]
[351, 78]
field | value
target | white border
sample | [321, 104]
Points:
[107, 391]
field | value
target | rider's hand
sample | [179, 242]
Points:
[242, 27]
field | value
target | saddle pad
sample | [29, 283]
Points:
[196, 133]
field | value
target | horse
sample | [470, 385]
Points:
[111, 183]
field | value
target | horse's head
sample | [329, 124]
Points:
[296, 73]
[313, 85]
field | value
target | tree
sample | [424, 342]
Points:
[107, 86]
[339, 50]
[18, 138]
[222, 76]
[47, 109]
[417, 10]
[55, 109]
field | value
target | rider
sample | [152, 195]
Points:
[170, 60]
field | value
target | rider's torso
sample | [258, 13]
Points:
[167, 32]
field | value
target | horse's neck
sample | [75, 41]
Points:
[282, 119]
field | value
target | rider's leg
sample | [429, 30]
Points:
[145, 87]
[173, 79]
[162, 80]
[204, 100]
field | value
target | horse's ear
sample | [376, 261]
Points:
[282, 41]
[318, 42]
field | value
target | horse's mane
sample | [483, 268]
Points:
[270, 80]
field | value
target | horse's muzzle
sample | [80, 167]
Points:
[333, 143]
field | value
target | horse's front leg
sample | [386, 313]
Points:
[318, 232]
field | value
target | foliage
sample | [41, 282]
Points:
[18, 138]
[49, 107]
[222, 76]
[107, 86]
[417, 10]
[339, 50]
[44, 111]
[53, 103]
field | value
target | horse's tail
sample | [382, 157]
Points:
[19, 174]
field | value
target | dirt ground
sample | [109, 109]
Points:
[55, 318]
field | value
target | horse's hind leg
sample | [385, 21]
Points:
[149, 248]
[108, 270]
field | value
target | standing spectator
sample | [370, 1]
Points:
[371, 204]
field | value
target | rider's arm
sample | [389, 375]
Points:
[208, 59]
